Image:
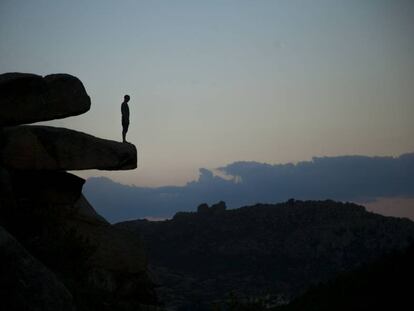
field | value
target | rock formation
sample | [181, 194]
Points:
[28, 98]
[51, 233]
[25, 283]
[51, 148]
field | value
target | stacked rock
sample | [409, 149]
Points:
[42, 206]
[28, 98]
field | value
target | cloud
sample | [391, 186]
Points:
[346, 178]
[341, 178]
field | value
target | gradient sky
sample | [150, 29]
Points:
[212, 82]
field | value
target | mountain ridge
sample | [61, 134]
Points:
[277, 249]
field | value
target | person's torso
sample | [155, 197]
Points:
[125, 111]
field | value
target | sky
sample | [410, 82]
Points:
[214, 82]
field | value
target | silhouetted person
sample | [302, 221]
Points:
[125, 117]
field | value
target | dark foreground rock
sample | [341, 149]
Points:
[118, 261]
[55, 188]
[50, 148]
[27, 98]
[101, 265]
[25, 283]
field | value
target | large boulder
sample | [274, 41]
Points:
[101, 265]
[27, 98]
[86, 213]
[104, 268]
[51, 148]
[46, 187]
[118, 264]
[25, 283]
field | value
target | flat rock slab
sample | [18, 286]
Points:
[52, 148]
[28, 98]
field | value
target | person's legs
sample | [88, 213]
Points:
[124, 131]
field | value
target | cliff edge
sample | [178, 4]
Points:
[50, 234]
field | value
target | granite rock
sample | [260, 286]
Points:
[28, 98]
[50, 148]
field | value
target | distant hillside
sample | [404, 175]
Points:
[343, 178]
[263, 250]
[385, 284]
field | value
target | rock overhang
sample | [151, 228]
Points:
[33, 147]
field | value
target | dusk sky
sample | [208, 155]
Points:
[213, 82]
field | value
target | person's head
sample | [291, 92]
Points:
[126, 98]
